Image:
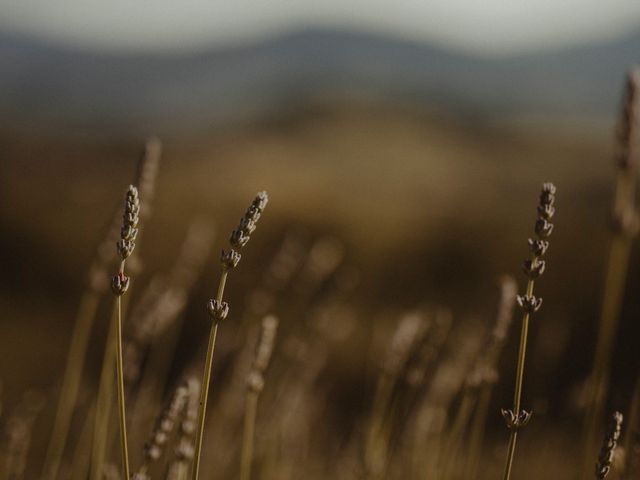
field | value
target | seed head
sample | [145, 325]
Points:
[165, 423]
[130, 218]
[247, 226]
[132, 206]
[230, 259]
[125, 248]
[533, 268]
[516, 421]
[238, 239]
[529, 303]
[543, 228]
[240, 236]
[217, 310]
[548, 189]
[538, 247]
[628, 122]
[266, 343]
[607, 452]
[261, 200]
[264, 350]
[546, 211]
[257, 206]
[120, 283]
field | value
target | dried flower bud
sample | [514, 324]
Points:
[543, 228]
[132, 194]
[120, 284]
[533, 268]
[238, 239]
[247, 226]
[516, 421]
[125, 248]
[132, 205]
[257, 206]
[607, 452]
[130, 219]
[529, 304]
[230, 259]
[548, 189]
[628, 123]
[217, 310]
[127, 232]
[261, 200]
[546, 211]
[538, 247]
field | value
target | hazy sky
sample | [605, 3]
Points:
[490, 27]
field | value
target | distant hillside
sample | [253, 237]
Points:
[45, 85]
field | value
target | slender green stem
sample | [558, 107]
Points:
[251, 408]
[511, 452]
[221, 285]
[71, 382]
[121, 401]
[517, 396]
[204, 393]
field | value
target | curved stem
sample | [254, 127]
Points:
[121, 401]
[206, 377]
[517, 396]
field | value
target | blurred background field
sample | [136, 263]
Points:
[421, 158]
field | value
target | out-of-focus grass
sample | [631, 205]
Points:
[431, 209]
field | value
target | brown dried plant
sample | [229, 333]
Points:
[255, 385]
[87, 310]
[608, 449]
[624, 229]
[120, 285]
[219, 309]
[516, 418]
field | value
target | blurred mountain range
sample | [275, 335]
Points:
[42, 85]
